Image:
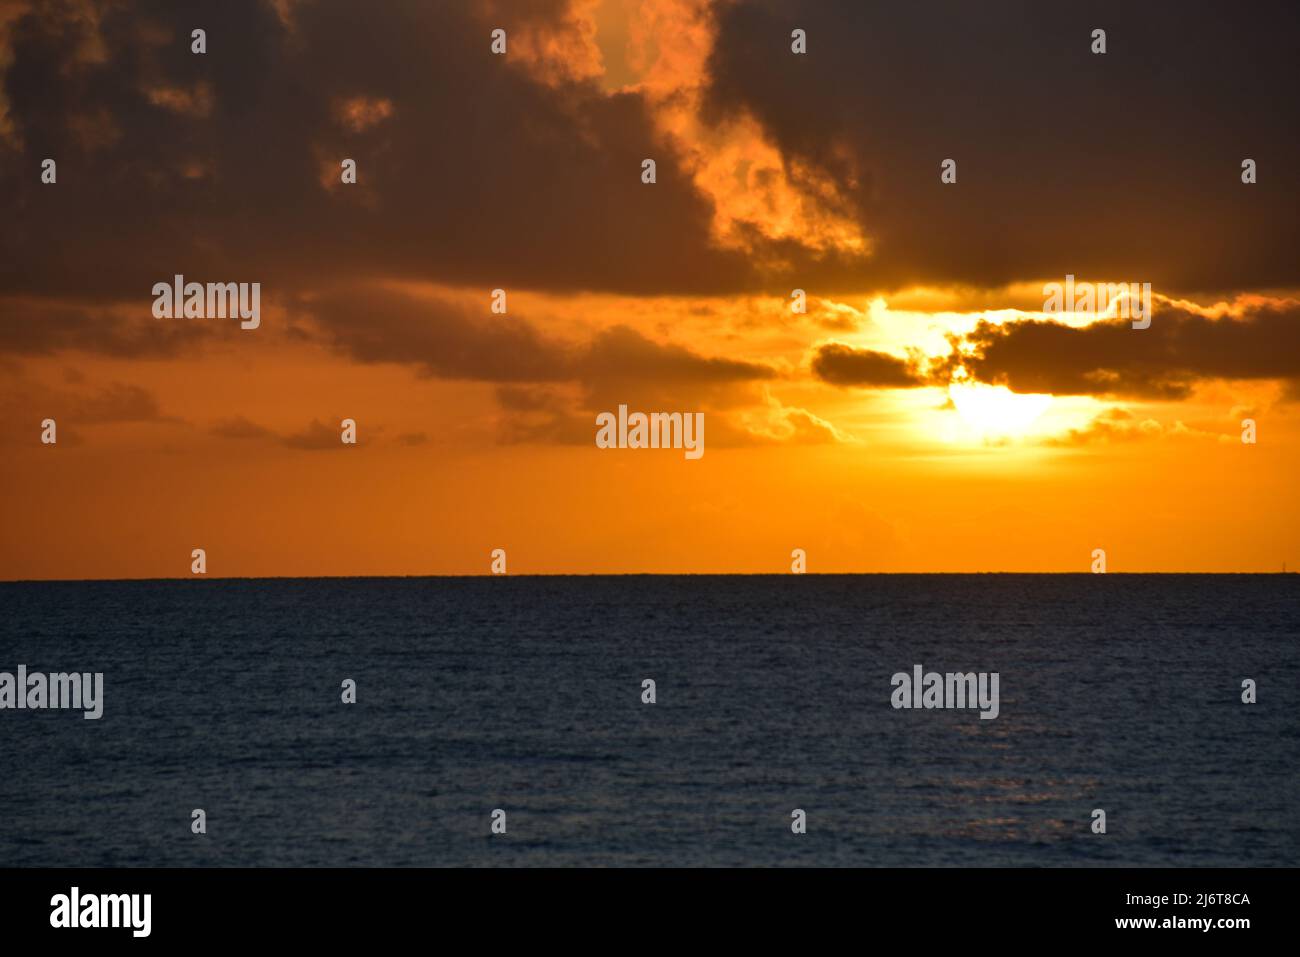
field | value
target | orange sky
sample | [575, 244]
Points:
[923, 414]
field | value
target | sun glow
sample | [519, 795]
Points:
[995, 411]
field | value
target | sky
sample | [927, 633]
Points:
[925, 411]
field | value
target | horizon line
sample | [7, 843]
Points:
[272, 578]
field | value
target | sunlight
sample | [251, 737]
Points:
[996, 411]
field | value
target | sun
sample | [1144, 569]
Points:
[994, 411]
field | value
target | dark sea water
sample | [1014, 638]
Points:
[1120, 692]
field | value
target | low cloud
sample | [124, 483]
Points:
[1111, 359]
[239, 427]
[843, 365]
[1120, 425]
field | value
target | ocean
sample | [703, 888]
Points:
[772, 693]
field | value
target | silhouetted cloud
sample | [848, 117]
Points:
[1117, 167]
[317, 437]
[469, 169]
[843, 365]
[238, 427]
[442, 338]
[1110, 358]
[439, 337]
[27, 402]
[32, 327]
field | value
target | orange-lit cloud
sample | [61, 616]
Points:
[357, 114]
[754, 189]
[195, 101]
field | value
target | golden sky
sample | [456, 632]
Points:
[925, 413]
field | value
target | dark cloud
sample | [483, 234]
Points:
[238, 427]
[526, 398]
[1117, 167]
[439, 338]
[33, 327]
[621, 357]
[844, 365]
[26, 402]
[116, 402]
[445, 339]
[622, 367]
[1111, 358]
[548, 388]
[543, 416]
[212, 165]
[317, 437]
